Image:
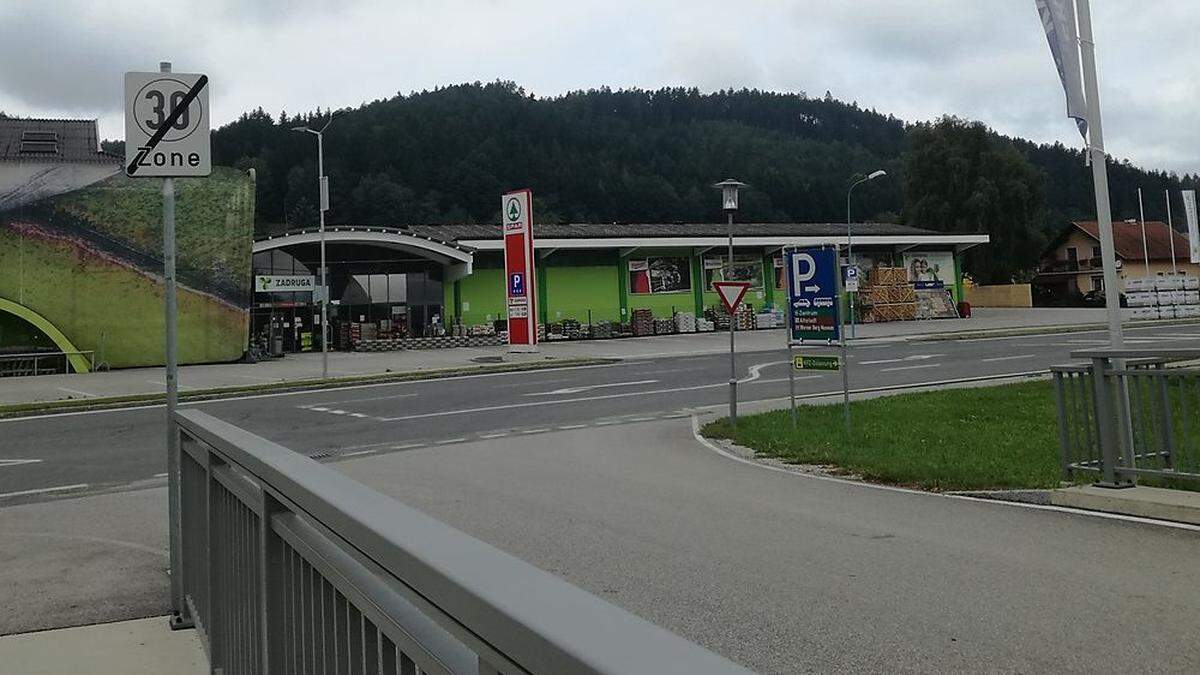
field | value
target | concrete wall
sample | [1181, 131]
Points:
[1000, 295]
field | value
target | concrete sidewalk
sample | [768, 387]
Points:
[143, 646]
[1180, 506]
[148, 381]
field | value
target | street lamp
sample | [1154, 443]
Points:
[850, 233]
[729, 201]
[322, 207]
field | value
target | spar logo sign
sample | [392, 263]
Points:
[513, 220]
[166, 125]
[285, 283]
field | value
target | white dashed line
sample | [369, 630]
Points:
[360, 452]
[450, 440]
[536, 431]
[568, 427]
[39, 491]
[927, 365]
[1007, 358]
[496, 435]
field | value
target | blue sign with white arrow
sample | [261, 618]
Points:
[813, 294]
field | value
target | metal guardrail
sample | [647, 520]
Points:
[35, 363]
[1130, 413]
[287, 566]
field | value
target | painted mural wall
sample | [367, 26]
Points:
[89, 261]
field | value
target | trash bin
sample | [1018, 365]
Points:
[964, 309]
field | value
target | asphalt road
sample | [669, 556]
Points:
[105, 450]
[787, 573]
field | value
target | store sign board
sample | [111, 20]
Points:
[803, 362]
[166, 125]
[1189, 210]
[285, 283]
[516, 212]
[813, 294]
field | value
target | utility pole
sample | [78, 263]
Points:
[322, 207]
[729, 201]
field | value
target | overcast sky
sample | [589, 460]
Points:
[917, 59]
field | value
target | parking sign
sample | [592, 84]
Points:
[813, 294]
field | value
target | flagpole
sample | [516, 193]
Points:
[1112, 289]
[1145, 246]
[1171, 232]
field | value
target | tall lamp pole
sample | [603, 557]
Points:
[729, 202]
[850, 233]
[322, 207]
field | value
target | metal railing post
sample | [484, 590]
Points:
[1168, 436]
[213, 605]
[180, 617]
[1105, 417]
[271, 588]
[1064, 437]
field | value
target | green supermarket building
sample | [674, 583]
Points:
[443, 285]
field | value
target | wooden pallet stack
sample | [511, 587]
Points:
[889, 296]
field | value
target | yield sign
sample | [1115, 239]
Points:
[731, 293]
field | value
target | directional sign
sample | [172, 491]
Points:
[166, 125]
[813, 294]
[731, 293]
[802, 362]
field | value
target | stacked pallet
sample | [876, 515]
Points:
[889, 296]
[602, 330]
[643, 322]
[745, 317]
[705, 326]
[664, 327]
[685, 322]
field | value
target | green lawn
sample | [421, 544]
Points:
[958, 439]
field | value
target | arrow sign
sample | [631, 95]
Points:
[812, 289]
[731, 293]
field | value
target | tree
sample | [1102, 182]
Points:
[961, 177]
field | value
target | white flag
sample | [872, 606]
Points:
[1189, 208]
[1058, 18]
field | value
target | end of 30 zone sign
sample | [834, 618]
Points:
[166, 125]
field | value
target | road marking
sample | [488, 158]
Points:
[357, 453]
[568, 427]
[447, 441]
[336, 412]
[536, 431]
[160, 475]
[41, 491]
[77, 392]
[1008, 358]
[914, 357]
[940, 495]
[501, 434]
[355, 400]
[359, 415]
[17, 462]
[640, 419]
[408, 446]
[927, 365]
[583, 388]
[316, 408]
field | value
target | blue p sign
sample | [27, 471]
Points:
[516, 284]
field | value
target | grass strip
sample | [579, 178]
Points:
[36, 407]
[982, 438]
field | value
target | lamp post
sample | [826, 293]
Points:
[729, 202]
[322, 207]
[850, 233]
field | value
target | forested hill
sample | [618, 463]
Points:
[634, 155]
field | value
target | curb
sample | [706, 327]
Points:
[114, 402]
[1043, 330]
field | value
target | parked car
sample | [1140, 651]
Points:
[1097, 299]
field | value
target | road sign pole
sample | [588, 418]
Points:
[732, 321]
[792, 383]
[178, 609]
[845, 359]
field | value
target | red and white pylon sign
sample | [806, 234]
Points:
[516, 211]
[731, 293]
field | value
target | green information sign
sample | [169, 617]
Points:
[802, 362]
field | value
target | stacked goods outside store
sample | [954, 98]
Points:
[704, 325]
[1163, 297]
[935, 303]
[602, 330]
[685, 322]
[745, 317]
[643, 322]
[888, 296]
[664, 327]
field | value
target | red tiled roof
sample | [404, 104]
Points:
[1127, 237]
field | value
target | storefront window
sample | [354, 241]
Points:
[660, 275]
[745, 268]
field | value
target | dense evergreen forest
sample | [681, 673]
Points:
[631, 155]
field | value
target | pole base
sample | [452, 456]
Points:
[179, 622]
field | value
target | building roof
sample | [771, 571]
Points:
[1127, 238]
[50, 140]
[670, 230]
